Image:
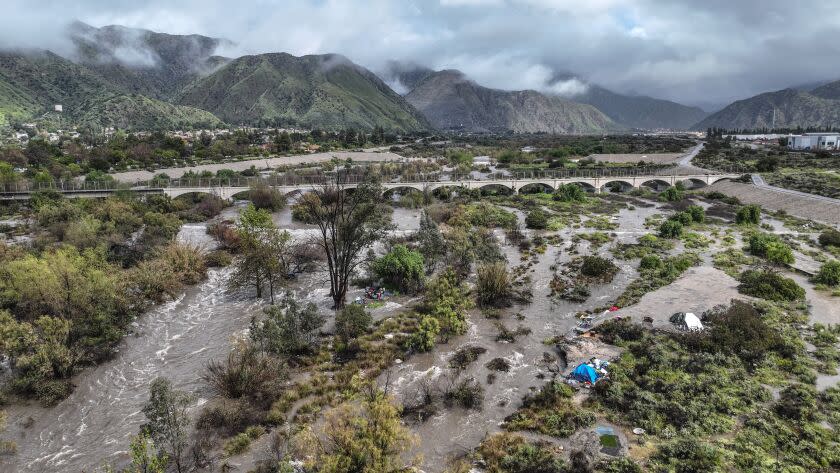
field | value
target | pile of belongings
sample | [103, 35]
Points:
[589, 373]
[375, 293]
[687, 321]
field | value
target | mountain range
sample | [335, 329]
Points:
[787, 108]
[138, 79]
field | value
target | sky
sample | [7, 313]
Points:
[705, 53]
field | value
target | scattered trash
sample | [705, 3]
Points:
[638, 431]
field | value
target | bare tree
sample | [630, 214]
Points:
[349, 220]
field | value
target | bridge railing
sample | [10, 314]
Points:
[297, 180]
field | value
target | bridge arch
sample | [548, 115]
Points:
[495, 189]
[657, 185]
[536, 188]
[587, 186]
[617, 186]
[693, 183]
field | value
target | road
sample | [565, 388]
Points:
[759, 182]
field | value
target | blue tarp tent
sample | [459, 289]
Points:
[585, 374]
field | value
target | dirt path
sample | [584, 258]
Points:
[261, 163]
[805, 206]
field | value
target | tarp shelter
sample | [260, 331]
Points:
[585, 374]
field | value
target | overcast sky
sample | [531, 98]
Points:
[697, 52]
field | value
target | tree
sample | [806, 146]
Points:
[426, 335]
[348, 221]
[266, 253]
[144, 457]
[288, 328]
[569, 193]
[168, 421]
[430, 242]
[400, 269]
[264, 196]
[351, 322]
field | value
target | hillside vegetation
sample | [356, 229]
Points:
[326, 91]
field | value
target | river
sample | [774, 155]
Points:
[94, 425]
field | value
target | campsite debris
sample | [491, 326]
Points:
[638, 431]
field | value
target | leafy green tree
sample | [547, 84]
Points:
[288, 328]
[144, 456]
[351, 322]
[430, 242]
[265, 253]
[168, 421]
[401, 269]
[348, 222]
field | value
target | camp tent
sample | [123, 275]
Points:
[692, 322]
[585, 374]
[686, 321]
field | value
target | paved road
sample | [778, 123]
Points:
[685, 161]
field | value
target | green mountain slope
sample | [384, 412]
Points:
[451, 101]
[140, 61]
[32, 83]
[324, 91]
[786, 108]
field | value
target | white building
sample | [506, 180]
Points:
[829, 141]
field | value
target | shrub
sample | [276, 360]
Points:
[670, 229]
[493, 285]
[246, 374]
[467, 393]
[447, 301]
[650, 262]
[401, 269]
[351, 322]
[424, 338]
[289, 328]
[498, 364]
[830, 237]
[687, 455]
[798, 402]
[466, 355]
[769, 285]
[551, 412]
[698, 215]
[509, 453]
[779, 253]
[598, 268]
[748, 214]
[218, 259]
[683, 217]
[829, 274]
[672, 194]
[537, 219]
[569, 193]
[266, 197]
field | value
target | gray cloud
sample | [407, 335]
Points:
[695, 52]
